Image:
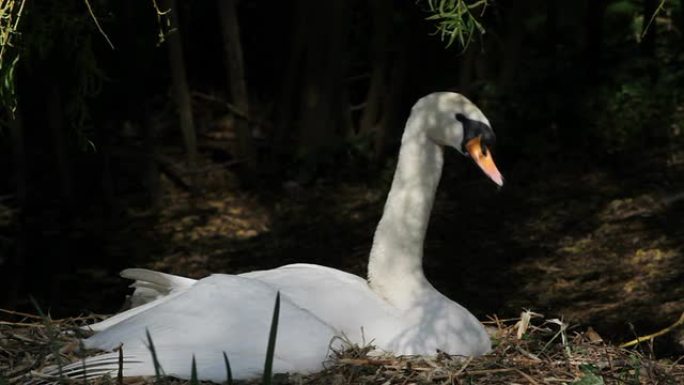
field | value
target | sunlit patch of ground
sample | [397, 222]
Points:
[225, 229]
[197, 231]
[622, 266]
[607, 249]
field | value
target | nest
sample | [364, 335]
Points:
[527, 350]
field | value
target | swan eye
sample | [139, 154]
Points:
[473, 129]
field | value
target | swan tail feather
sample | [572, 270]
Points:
[89, 368]
[150, 285]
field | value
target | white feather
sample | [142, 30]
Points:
[397, 309]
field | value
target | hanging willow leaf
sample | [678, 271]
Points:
[10, 15]
[456, 20]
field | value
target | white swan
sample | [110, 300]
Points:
[397, 308]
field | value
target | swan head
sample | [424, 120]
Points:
[450, 119]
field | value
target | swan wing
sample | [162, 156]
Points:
[340, 299]
[150, 285]
[139, 362]
[220, 313]
[151, 289]
[346, 302]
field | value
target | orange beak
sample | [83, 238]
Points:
[485, 161]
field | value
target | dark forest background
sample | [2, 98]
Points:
[227, 136]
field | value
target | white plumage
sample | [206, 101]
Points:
[397, 309]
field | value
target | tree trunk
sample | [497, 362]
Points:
[281, 140]
[104, 142]
[17, 261]
[181, 91]
[235, 74]
[391, 122]
[388, 74]
[380, 11]
[151, 174]
[681, 16]
[51, 262]
[649, 29]
[512, 42]
[55, 122]
[376, 98]
[16, 129]
[466, 71]
[322, 107]
[593, 39]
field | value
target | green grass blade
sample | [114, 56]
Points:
[270, 350]
[85, 370]
[193, 372]
[81, 349]
[229, 372]
[52, 339]
[157, 367]
[119, 372]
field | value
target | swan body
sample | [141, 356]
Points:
[209, 318]
[396, 309]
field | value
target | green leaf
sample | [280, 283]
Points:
[157, 367]
[456, 20]
[270, 350]
[52, 338]
[193, 372]
[119, 372]
[229, 372]
[589, 369]
[590, 379]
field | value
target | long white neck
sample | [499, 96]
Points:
[395, 268]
